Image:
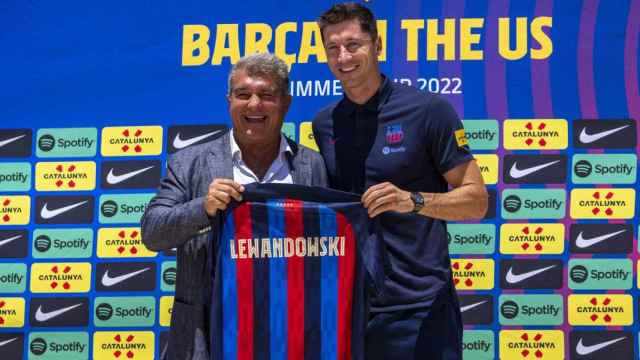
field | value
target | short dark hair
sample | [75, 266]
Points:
[339, 13]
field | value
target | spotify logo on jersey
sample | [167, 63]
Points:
[109, 208]
[583, 168]
[512, 203]
[46, 142]
[509, 309]
[579, 273]
[43, 243]
[104, 311]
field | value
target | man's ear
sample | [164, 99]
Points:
[378, 45]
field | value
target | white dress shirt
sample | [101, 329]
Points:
[278, 172]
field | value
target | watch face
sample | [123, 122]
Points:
[418, 201]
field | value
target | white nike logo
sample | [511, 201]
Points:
[9, 141]
[45, 316]
[589, 138]
[8, 240]
[116, 179]
[469, 307]
[48, 214]
[110, 281]
[585, 243]
[586, 350]
[514, 279]
[3, 343]
[518, 173]
[179, 143]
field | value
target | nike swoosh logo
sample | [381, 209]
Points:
[116, 179]
[582, 243]
[586, 350]
[514, 279]
[46, 213]
[589, 138]
[9, 141]
[518, 173]
[3, 343]
[110, 281]
[179, 143]
[469, 307]
[45, 316]
[8, 240]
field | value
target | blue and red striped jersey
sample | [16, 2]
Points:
[293, 268]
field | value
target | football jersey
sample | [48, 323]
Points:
[293, 269]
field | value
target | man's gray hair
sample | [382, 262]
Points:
[262, 64]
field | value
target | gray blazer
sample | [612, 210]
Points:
[175, 218]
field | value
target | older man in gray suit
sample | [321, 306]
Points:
[202, 180]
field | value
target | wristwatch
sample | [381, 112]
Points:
[418, 202]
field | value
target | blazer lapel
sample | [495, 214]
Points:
[300, 167]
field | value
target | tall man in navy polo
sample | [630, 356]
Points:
[402, 149]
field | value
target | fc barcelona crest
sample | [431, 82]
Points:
[394, 134]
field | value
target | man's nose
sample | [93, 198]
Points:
[254, 100]
[344, 54]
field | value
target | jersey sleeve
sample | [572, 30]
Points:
[445, 135]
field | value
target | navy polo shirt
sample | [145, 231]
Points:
[406, 137]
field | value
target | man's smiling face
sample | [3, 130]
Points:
[352, 55]
[257, 107]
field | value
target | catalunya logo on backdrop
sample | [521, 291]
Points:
[600, 203]
[60, 277]
[535, 134]
[15, 210]
[131, 141]
[473, 274]
[123, 344]
[66, 176]
[531, 238]
[531, 344]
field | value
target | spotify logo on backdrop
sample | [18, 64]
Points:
[109, 208]
[38, 346]
[46, 142]
[512, 203]
[43, 243]
[104, 311]
[583, 168]
[169, 276]
[509, 309]
[579, 273]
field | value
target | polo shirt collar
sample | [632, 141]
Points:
[374, 103]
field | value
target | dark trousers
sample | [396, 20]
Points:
[420, 334]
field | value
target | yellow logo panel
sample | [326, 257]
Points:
[66, 176]
[600, 310]
[603, 203]
[531, 239]
[532, 344]
[461, 138]
[535, 134]
[473, 274]
[488, 165]
[60, 277]
[122, 243]
[15, 210]
[306, 136]
[11, 312]
[131, 141]
[166, 307]
[123, 345]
